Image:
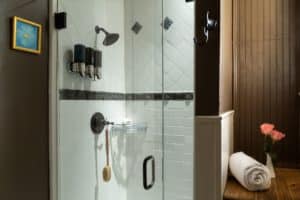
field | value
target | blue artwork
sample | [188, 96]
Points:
[27, 35]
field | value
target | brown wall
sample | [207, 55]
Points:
[214, 65]
[23, 108]
[226, 55]
[207, 61]
[266, 75]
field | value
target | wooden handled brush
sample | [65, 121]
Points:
[106, 173]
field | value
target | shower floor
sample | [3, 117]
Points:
[286, 186]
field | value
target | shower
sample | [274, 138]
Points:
[110, 38]
[146, 89]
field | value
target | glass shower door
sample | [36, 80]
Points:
[178, 120]
[143, 72]
[127, 92]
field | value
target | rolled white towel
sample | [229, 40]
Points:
[251, 174]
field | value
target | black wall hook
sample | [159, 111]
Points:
[209, 25]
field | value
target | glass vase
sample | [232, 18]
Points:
[270, 166]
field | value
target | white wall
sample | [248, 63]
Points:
[82, 17]
[144, 61]
[213, 146]
[179, 115]
[146, 144]
[143, 70]
[179, 146]
[148, 71]
[76, 153]
[143, 50]
[133, 64]
[179, 46]
[80, 178]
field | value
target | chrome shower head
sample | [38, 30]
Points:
[110, 38]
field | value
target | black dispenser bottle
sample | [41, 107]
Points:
[98, 64]
[79, 59]
[89, 62]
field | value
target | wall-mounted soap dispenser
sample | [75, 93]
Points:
[79, 59]
[89, 62]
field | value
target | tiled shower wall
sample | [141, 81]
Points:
[80, 165]
[178, 65]
[144, 68]
[143, 57]
[178, 136]
[133, 65]
[179, 46]
[82, 155]
[82, 19]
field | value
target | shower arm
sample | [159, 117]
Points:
[98, 29]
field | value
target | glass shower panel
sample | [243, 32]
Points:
[178, 59]
[143, 60]
[129, 94]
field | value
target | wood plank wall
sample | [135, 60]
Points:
[265, 75]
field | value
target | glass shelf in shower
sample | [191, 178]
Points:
[130, 128]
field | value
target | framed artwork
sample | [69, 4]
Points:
[27, 35]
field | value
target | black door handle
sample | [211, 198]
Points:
[145, 179]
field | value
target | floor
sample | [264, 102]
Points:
[286, 186]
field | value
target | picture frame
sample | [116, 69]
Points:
[26, 35]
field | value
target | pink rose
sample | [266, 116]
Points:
[277, 135]
[266, 128]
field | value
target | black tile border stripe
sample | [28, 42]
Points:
[67, 94]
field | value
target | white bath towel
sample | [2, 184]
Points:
[253, 175]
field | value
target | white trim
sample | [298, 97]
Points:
[213, 146]
[53, 99]
[216, 117]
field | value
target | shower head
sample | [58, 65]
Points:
[110, 38]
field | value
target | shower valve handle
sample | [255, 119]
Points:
[107, 122]
[98, 123]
